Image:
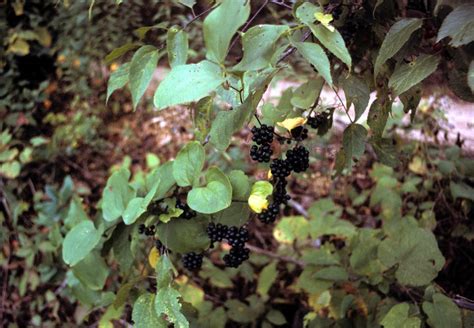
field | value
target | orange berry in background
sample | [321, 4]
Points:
[76, 63]
[61, 59]
[114, 67]
[47, 104]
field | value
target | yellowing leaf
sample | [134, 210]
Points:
[325, 19]
[269, 174]
[258, 203]
[291, 123]
[319, 301]
[418, 166]
[258, 196]
[153, 257]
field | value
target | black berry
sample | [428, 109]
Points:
[263, 134]
[188, 213]
[237, 237]
[299, 133]
[280, 168]
[270, 214]
[236, 256]
[141, 229]
[298, 158]
[216, 232]
[192, 261]
[261, 154]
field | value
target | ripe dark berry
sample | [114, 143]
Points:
[280, 168]
[270, 214]
[318, 120]
[237, 237]
[188, 213]
[216, 232]
[280, 196]
[299, 133]
[298, 158]
[236, 256]
[141, 229]
[263, 134]
[261, 154]
[192, 261]
[150, 231]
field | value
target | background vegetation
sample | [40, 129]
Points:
[379, 228]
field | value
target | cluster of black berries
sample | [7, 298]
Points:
[298, 158]
[263, 137]
[236, 256]
[192, 261]
[299, 133]
[148, 231]
[317, 120]
[261, 154]
[236, 237]
[188, 213]
[161, 247]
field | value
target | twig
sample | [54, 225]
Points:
[196, 17]
[248, 24]
[298, 207]
[342, 103]
[464, 302]
[281, 3]
[292, 49]
[275, 256]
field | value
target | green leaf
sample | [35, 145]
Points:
[164, 272]
[202, 117]
[398, 317]
[186, 83]
[143, 65]
[221, 24]
[137, 206]
[75, 214]
[291, 228]
[317, 57]
[396, 37]
[410, 100]
[305, 12]
[167, 303]
[386, 151]
[228, 122]
[406, 76]
[116, 195]
[118, 79]
[240, 185]
[79, 242]
[353, 141]
[364, 260]
[458, 25]
[257, 200]
[183, 236]
[92, 271]
[188, 3]
[416, 253]
[240, 312]
[10, 169]
[461, 190]
[121, 247]
[237, 214]
[442, 312]
[119, 52]
[334, 42]
[276, 317]
[267, 278]
[378, 115]
[358, 93]
[215, 196]
[259, 44]
[332, 273]
[188, 164]
[177, 46]
[144, 314]
[329, 225]
[164, 174]
[306, 94]
[172, 211]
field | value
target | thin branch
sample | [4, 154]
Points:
[281, 3]
[258, 250]
[298, 207]
[342, 103]
[248, 24]
[196, 17]
[464, 302]
[292, 49]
